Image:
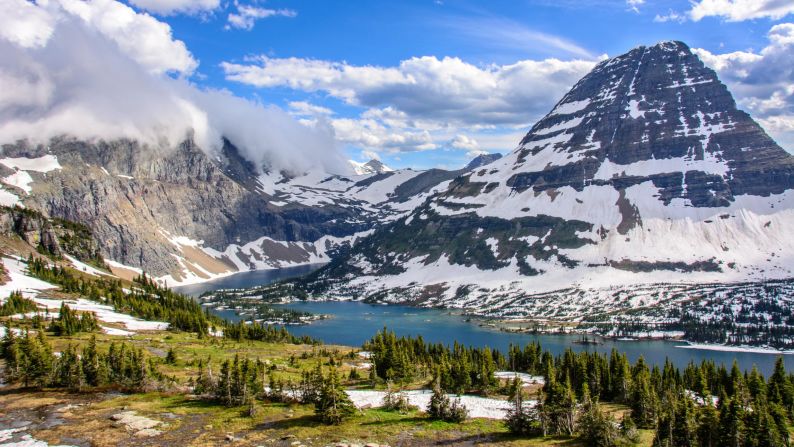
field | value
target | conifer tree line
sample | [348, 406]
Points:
[751, 315]
[703, 405]
[256, 331]
[148, 300]
[151, 301]
[31, 362]
[241, 382]
[70, 322]
[17, 304]
[459, 369]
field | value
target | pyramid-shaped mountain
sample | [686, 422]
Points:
[644, 174]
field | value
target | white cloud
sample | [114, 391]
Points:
[303, 108]
[671, 16]
[464, 142]
[439, 92]
[370, 155]
[247, 15]
[374, 134]
[738, 10]
[499, 33]
[25, 24]
[140, 36]
[762, 81]
[634, 5]
[81, 82]
[170, 7]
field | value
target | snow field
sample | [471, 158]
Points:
[479, 407]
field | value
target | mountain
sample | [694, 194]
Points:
[482, 160]
[184, 216]
[645, 175]
[371, 167]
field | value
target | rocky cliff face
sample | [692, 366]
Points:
[137, 201]
[183, 215]
[55, 237]
[644, 173]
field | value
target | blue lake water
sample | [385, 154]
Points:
[247, 279]
[352, 323]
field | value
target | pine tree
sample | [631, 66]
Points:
[438, 407]
[69, 372]
[708, 426]
[395, 400]
[644, 401]
[223, 392]
[333, 405]
[521, 419]
[780, 389]
[731, 423]
[9, 351]
[596, 428]
[558, 410]
[91, 364]
[170, 357]
[685, 424]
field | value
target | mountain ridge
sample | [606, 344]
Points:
[644, 173]
[185, 216]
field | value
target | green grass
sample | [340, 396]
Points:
[210, 421]
[276, 421]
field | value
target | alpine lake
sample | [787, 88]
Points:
[352, 323]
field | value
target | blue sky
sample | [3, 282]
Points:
[482, 34]
[420, 83]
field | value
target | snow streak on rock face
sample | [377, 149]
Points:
[654, 114]
[644, 173]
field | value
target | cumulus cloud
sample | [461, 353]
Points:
[464, 142]
[762, 81]
[84, 83]
[444, 91]
[25, 24]
[171, 7]
[738, 10]
[374, 134]
[247, 15]
[140, 36]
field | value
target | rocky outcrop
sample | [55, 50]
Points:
[56, 237]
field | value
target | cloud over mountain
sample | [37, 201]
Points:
[99, 70]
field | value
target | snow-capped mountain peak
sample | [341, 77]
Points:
[371, 167]
[645, 172]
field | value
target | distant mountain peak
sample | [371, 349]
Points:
[371, 167]
[482, 160]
